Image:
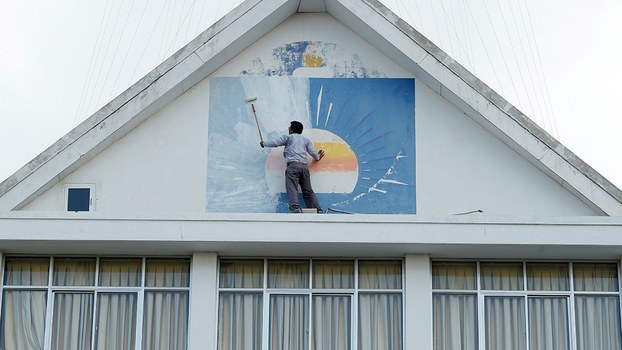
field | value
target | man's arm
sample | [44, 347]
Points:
[281, 141]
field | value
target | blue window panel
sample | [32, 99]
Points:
[78, 199]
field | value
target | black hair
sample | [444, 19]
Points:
[296, 127]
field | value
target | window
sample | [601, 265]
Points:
[79, 197]
[310, 304]
[526, 305]
[94, 303]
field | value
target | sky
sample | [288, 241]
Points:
[556, 61]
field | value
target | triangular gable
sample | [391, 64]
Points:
[253, 19]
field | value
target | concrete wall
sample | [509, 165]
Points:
[161, 167]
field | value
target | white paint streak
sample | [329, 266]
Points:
[330, 108]
[377, 190]
[392, 182]
[319, 101]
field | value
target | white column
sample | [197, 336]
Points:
[202, 325]
[418, 303]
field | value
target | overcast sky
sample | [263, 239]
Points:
[557, 61]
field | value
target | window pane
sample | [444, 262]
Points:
[289, 322]
[380, 274]
[333, 274]
[120, 272]
[288, 274]
[454, 275]
[502, 276]
[505, 323]
[380, 322]
[598, 322]
[116, 321]
[167, 273]
[548, 323]
[240, 321]
[73, 321]
[241, 274]
[165, 321]
[74, 272]
[548, 277]
[22, 325]
[595, 277]
[26, 271]
[331, 323]
[455, 321]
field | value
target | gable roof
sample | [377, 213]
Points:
[254, 18]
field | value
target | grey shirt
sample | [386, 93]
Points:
[296, 147]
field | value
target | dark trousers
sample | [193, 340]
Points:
[298, 174]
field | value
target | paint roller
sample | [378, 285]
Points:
[252, 99]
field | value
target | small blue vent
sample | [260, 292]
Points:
[78, 199]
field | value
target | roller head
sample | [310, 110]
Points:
[251, 99]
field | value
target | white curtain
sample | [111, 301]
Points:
[240, 313]
[450, 275]
[380, 274]
[241, 274]
[22, 323]
[502, 276]
[331, 322]
[289, 322]
[288, 274]
[73, 320]
[595, 277]
[598, 322]
[455, 321]
[548, 323]
[548, 276]
[120, 272]
[240, 321]
[23, 320]
[74, 272]
[505, 323]
[333, 274]
[167, 273]
[165, 321]
[380, 321]
[116, 321]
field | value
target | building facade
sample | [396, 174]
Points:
[452, 221]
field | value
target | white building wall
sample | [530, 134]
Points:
[161, 167]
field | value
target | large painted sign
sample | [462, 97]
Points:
[365, 125]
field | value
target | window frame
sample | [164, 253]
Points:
[51, 290]
[73, 186]
[353, 293]
[526, 293]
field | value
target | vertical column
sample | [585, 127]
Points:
[202, 326]
[418, 303]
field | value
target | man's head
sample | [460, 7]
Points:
[295, 127]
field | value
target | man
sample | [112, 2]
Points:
[297, 173]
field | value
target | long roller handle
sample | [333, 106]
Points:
[257, 122]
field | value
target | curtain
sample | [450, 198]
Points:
[333, 274]
[380, 274]
[120, 272]
[595, 277]
[26, 272]
[548, 323]
[505, 323]
[449, 275]
[74, 272]
[73, 320]
[22, 324]
[240, 321]
[167, 273]
[502, 276]
[380, 321]
[116, 321]
[548, 276]
[598, 322]
[455, 322]
[165, 321]
[331, 322]
[241, 274]
[289, 322]
[288, 274]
